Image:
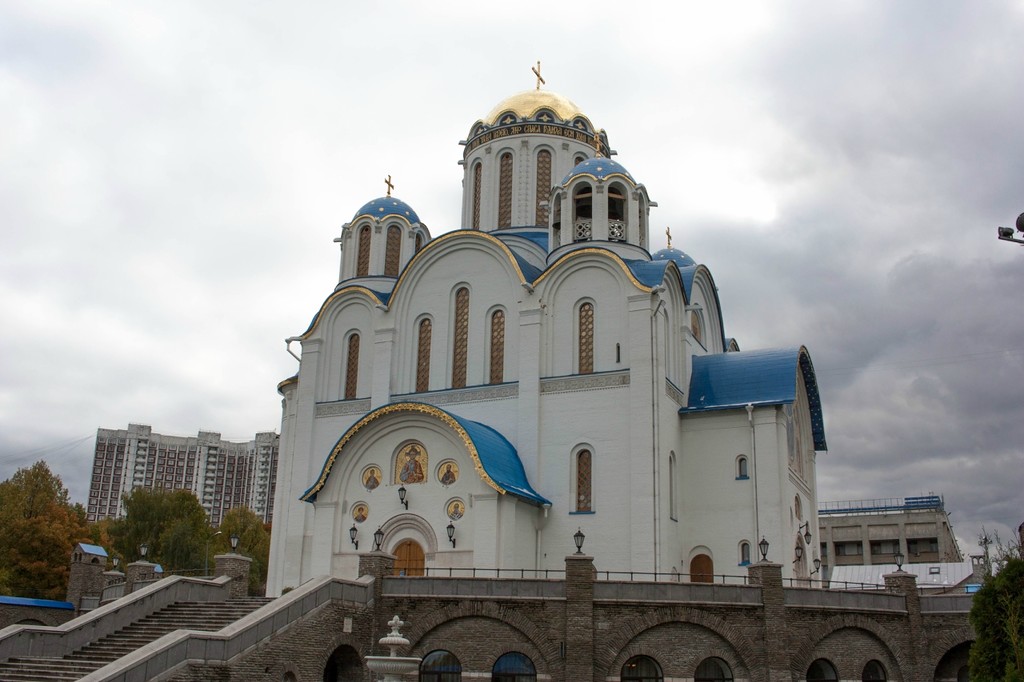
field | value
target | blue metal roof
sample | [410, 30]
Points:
[650, 273]
[725, 381]
[387, 206]
[93, 549]
[538, 237]
[682, 260]
[599, 168]
[530, 271]
[45, 603]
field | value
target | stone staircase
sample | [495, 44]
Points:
[208, 616]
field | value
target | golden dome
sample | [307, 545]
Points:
[525, 105]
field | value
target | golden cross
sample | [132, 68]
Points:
[536, 72]
[597, 142]
[389, 184]
[668, 233]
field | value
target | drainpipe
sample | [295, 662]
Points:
[656, 469]
[753, 473]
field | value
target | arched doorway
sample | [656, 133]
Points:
[344, 664]
[409, 559]
[702, 569]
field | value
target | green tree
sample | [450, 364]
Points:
[998, 619]
[171, 523]
[40, 528]
[253, 541]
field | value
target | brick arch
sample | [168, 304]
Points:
[804, 655]
[745, 654]
[331, 645]
[541, 641]
[946, 642]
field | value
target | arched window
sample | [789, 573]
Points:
[672, 501]
[460, 338]
[392, 251]
[641, 669]
[543, 185]
[556, 223]
[423, 357]
[741, 468]
[476, 195]
[713, 670]
[419, 242]
[821, 671]
[578, 160]
[584, 481]
[616, 213]
[798, 508]
[440, 666]
[363, 255]
[352, 367]
[702, 569]
[586, 339]
[695, 327]
[513, 667]
[505, 190]
[873, 671]
[582, 210]
[744, 553]
[497, 346]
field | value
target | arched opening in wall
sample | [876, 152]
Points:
[741, 468]
[744, 553]
[392, 251]
[505, 190]
[363, 253]
[822, 671]
[695, 327]
[497, 358]
[352, 367]
[641, 669]
[344, 664]
[578, 160]
[440, 666]
[419, 242]
[713, 670]
[409, 558]
[460, 338]
[873, 671]
[513, 667]
[585, 335]
[543, 187]
[423, 357]
[584, 481]
[582, 213]
[953, 664]
[702, 569]
[616, 213]
[556, 222]
[477, 174]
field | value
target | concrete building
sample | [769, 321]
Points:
[221, 474]
[872, 532]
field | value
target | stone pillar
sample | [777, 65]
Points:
[236, 567]
[579, 617]
[377, 564]
[768, 576]
[905, 584]
[85, 578]
[138, 571]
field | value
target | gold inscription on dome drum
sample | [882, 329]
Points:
[532, 129]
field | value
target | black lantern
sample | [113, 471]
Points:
[899, 561]
[806, 528]
[817, 565]
[451, 533]
[352, 533]
[578, 537]
[378, 539]
[401, 496]
[763, 547]
[116, 562]
[143, 549]
[234, 541]
[799, 551]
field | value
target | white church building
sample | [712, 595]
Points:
[480, 396]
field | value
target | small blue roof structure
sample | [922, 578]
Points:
[599, 168]
[382, 207]
[727, 381]
[681, 259]
[45, 603]
[92, 549]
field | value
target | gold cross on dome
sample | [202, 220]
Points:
[599, 148]
[536, 72]
[668, 233]
[389, 184]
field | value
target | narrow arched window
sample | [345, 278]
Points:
[741, 468]
[695, 328]
[583, 224]
[505, 190]
[477, 173]
[672, 501]
[460, 338]
[423, 357]
[543, 185]
[392, 251]
[586, 338]
[363, 255]
[578, 160]
[419, 242]
[497, 346]
[744, 553]
[440, 666]
[352, 367]
[584, 481]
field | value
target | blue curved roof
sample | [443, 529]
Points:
[600, 168]
[726, 381]
[681, 259]
[650, 273]
[45, 603]
[382, 207]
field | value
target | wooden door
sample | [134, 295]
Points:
[409, 558]
[702, 569]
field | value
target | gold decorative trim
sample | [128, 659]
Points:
[290, 380]
[330, 299]
[595, 252]
[458, 234]
[428, 410]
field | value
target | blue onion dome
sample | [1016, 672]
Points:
[599, 168]
[383, 207]
[681, 259]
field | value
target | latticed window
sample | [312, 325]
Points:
[498, 346]
[543, 185]
[352, 367]
[505, 190]
[477, 174]
[423, 357]
[584, 480]
[363, 257]
[461, 338]
[586, 334]
[392, 251]
[419, 242]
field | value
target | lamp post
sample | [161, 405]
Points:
[143, 550]
[206, 562]
[898, 558]
[451, 533]
[1006, 233]
[806, 528]
[234, 542]
[353, 532]
[378, 539]
[578, 537]
[402, 492]
[763, 548]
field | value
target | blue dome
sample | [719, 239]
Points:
[599, 168]
[681, 259]
[387, 206]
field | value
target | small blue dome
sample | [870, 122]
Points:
[387, 206]
[599, 168]
[681, 259]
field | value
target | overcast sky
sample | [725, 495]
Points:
[172, 176]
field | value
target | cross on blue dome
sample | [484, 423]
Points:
[382, 207]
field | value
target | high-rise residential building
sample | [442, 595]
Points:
[221, 474]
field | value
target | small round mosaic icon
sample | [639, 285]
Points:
[371, 477]
[448, 472]
[456, 509]
[360, 510]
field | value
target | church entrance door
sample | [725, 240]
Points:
[702, 569]
[409, 558]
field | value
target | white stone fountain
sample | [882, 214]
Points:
[393, 666]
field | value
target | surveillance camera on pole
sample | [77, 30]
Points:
[1006, 233]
